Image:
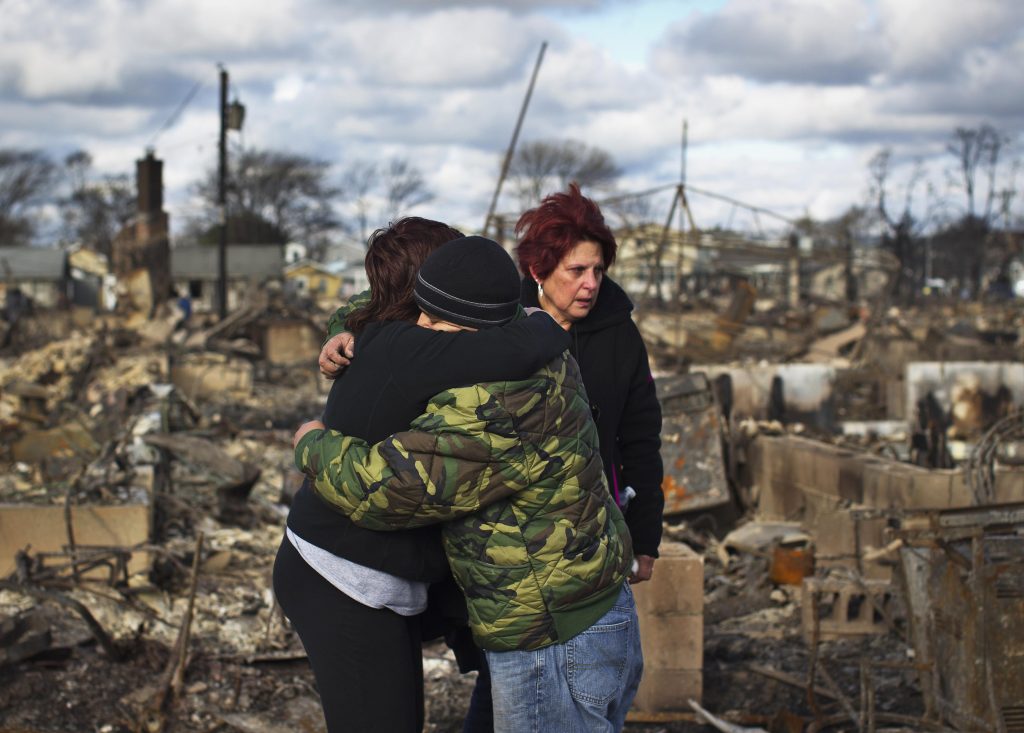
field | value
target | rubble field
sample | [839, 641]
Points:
[146, 472]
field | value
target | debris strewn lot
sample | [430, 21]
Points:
[145, 474]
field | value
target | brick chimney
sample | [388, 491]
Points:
[149, 173]
[144, 242]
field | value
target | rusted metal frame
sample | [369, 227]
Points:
[788, 679]
[980, 468]
[153, 718]
[818, 726]
[84, 558]
[954, 713]
[812, 700]
[941, 536]
[109, 645]
[977, 581]
[659, 249]
[867, 698]
[634, 716]
[844, 701]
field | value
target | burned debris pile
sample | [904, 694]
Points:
[844, 545]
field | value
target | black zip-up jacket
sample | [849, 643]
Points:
[613, 361]
[382, 391]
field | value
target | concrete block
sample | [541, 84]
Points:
[930, 489]
[828, 467]
[671, 612]
[63, 441]
[1009, 484]
[850, 478]
[42, 529]
[842, 536]
[672, 641]
[895, 399]
[771, 467]
[844, 608]
[289, 342]
[835, 535]
[788, 469]
[677, 586]
[212, 375]
[960, 492]
[803, 459]
[668, 690]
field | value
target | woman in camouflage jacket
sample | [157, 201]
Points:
[532, 534]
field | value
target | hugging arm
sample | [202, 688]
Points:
[455, 459]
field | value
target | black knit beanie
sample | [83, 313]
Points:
[471, 282]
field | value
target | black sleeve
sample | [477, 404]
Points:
[426, 362]
[639, 444]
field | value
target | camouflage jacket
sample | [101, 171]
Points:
[532, 534]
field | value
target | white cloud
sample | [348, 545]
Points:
[934, 38]
[446, 48]
[785, 40]
[785, 100]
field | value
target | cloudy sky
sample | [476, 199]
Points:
[786, 101]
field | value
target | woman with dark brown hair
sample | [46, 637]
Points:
[355, 596]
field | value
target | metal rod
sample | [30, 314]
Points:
[515, 136]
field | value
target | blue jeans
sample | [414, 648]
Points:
[585, 685]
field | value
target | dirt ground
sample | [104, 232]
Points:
[246, 672]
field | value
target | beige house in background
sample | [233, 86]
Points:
[314, 280]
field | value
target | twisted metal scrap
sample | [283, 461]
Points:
[980, 469]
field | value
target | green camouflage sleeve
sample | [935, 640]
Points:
[336, 323]
[459, 456]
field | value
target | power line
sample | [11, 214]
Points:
[177, 112]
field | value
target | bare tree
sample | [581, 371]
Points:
[95, 208]
[27, 181]
[542, 166]
[358, 182]
[382, 192]
[900, 228]
[404, 186]
[977, 151]
[289, 192]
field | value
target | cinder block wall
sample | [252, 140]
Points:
[831, 491]
[671, 610]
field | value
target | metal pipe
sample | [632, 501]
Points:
[515, 136]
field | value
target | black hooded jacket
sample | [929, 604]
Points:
[613, 361]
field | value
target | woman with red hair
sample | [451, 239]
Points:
[564, 251]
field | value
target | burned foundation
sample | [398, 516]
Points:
[832, 559]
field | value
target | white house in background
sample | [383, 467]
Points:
[295, 252]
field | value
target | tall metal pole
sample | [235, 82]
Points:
[515, 137]
[681, 252]
[222, 180]
[682, 170]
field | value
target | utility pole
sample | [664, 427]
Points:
[231, 118]
[222, 200]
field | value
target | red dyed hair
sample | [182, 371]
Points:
[561, 221]
[393, 257]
